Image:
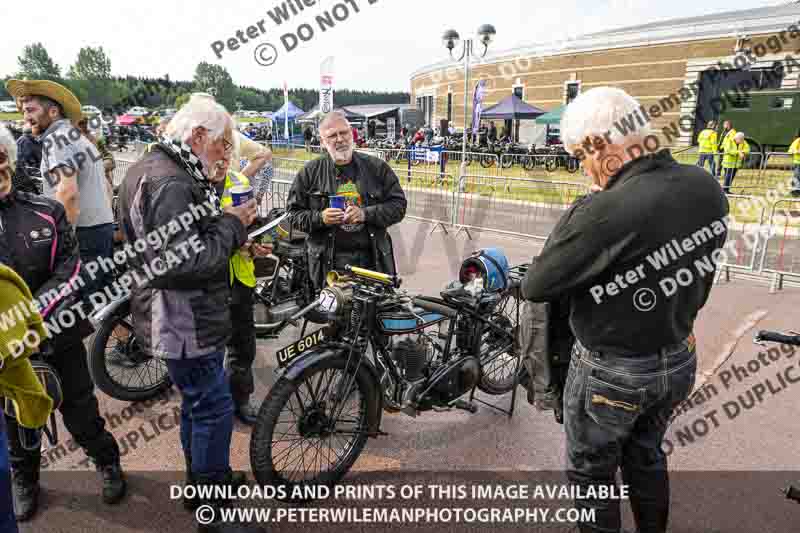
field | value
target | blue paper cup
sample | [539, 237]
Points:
[337, 202]
[241, 194]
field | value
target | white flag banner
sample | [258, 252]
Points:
[326, 86]
[286, 114]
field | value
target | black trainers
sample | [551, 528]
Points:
[26, 497]
[114, 485]
[246, 413]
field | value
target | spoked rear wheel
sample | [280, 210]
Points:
[310, 430]
[498, 370]
[118, 366]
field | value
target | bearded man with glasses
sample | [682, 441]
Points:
[346, 201]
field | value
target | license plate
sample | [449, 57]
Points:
[296, 349]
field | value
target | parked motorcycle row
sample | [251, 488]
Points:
[504, 153]
[374, 347]
[122, 138]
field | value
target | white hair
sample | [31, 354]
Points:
[739, 135]
[199, 112]
[7, 140]
[605, 112]
[336, 114]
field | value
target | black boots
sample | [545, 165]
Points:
[25, 491]
[114, 485]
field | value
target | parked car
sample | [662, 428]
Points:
[138, 111]
[8, 106]
[90, 110]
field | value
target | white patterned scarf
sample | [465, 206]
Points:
[184, 155]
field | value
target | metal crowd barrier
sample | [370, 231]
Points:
[286, 169]
[531, 210]
[746, 219]
[431, 197]
[781, 255]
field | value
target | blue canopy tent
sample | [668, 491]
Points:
[290, 111]
[512, 109]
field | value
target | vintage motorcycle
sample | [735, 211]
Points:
[385, 350]
[792, 492]
[120, 369]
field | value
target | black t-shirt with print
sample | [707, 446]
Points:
[350, 236]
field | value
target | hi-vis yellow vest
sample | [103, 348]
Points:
[707, 141]
[240, 267]
[794, 149]
[735, 154]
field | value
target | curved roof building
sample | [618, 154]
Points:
[652, 62]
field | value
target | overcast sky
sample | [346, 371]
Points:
[376, 48]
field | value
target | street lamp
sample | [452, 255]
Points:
[451, 41]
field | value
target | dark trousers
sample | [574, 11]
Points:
[356, 258]
[616, 412]
[710, 158]
[8, 523]
[206, 414]
[730, 173]
[94, 242]
[242, 346]
[80, 412]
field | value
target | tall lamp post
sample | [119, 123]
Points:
[451, 41]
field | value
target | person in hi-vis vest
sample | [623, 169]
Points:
[794, 149]
[242, 346]
[707, 146]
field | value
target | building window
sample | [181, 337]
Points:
[780, 102]
[449, 107]
[573, 89]
[429, 109]
[740, 101]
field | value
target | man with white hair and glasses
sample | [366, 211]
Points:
[636, 258]
[346, 201]
[182, 315]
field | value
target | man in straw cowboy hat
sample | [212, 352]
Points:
[71, 166]
[44, 250]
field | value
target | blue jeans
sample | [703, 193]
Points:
[94, 242]
[206, 414]
[796, 180]
[616, 412]
[730, 173]
[710, 158]
[8, 523]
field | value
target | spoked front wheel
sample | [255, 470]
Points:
[311, 430]
[498, 363]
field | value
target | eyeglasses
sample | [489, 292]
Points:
[339, 134]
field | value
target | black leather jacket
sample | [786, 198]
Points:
[38, 242]
[385, 205]
[616, 255]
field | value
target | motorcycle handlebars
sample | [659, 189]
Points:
[773, 336]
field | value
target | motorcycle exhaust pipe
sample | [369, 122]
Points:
[277, 326]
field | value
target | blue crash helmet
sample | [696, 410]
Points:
[490, 264]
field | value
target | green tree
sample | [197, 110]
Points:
[216, 80]
[182, 99]
[92, 64]
[36, 63]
